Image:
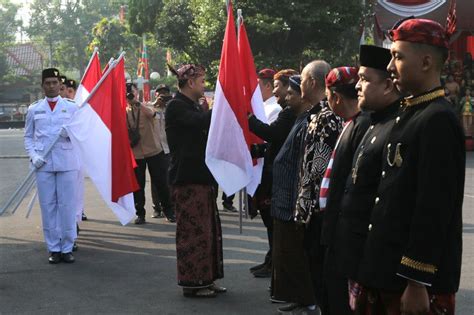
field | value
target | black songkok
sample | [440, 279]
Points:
[374, 57]
[50, 73]
[70, 83]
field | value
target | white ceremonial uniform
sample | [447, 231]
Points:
[272, 108]
[57, 179]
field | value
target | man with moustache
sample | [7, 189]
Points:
[411, 262]
[378, 95]
[198, 227]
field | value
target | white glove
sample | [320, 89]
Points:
[38, 161]
[63, 133]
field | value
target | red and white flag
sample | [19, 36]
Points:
[99, 133]
[253, 98]
[90, 78]
[227, 152]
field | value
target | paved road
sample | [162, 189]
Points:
[132, 269]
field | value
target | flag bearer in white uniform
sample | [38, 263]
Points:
[56, 172]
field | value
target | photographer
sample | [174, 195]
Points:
[163, 95]
[147, 152]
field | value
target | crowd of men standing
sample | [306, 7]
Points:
[362, 186]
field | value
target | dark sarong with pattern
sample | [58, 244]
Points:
[291, 270]
[198, 235]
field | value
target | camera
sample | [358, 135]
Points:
[165, 98]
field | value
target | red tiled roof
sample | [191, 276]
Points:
[24, 59]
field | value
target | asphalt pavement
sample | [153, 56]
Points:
[132, 269]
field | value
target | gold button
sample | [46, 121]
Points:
[397, 120]
[377, 200]
[383, 174]
[370, 227]
[373, 140]
[371, 127]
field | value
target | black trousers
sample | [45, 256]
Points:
[155, 191]
[336, 290]
[156, 166]
[227, 200]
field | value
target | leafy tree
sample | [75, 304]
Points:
[8, 27]
[68, 31]
[142, 23]
[282, 34]
[113, 37]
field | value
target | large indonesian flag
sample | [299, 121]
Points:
[99, 133]
[227, 152]
[253, 98]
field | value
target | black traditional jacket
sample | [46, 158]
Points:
[187, 127]
[415, 229]
[341, 167]
[360, 189]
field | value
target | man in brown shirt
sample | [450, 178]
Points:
[148, 152]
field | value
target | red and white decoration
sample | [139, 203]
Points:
[411, 7]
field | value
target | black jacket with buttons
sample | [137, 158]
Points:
[360, 192]
[417, 222]
[341, 167]
[187, 127]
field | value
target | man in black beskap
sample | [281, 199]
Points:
[412, 257]
[377, 94]
[275, 134]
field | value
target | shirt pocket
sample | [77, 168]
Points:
[64, 117]
[40, 120]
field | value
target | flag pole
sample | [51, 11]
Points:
[48, 150]
[240, 211]
[30, 205]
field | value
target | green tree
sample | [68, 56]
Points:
[142, 23]
[112, 37]
[8, 28]
[68, 31]
[282, 34]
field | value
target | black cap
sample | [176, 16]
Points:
[70, 83]
[162, 87]
[50, 73]
[374, 57]
[63, 79]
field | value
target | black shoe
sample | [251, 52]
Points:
[288, 308]
[229, 208]
[255, 268]
[171, 218]
[68, 258]
[74, 247]
[140, 220]
[265, 272]
[84, 217]
[157, 214]
[276, 301]
[54, 258]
